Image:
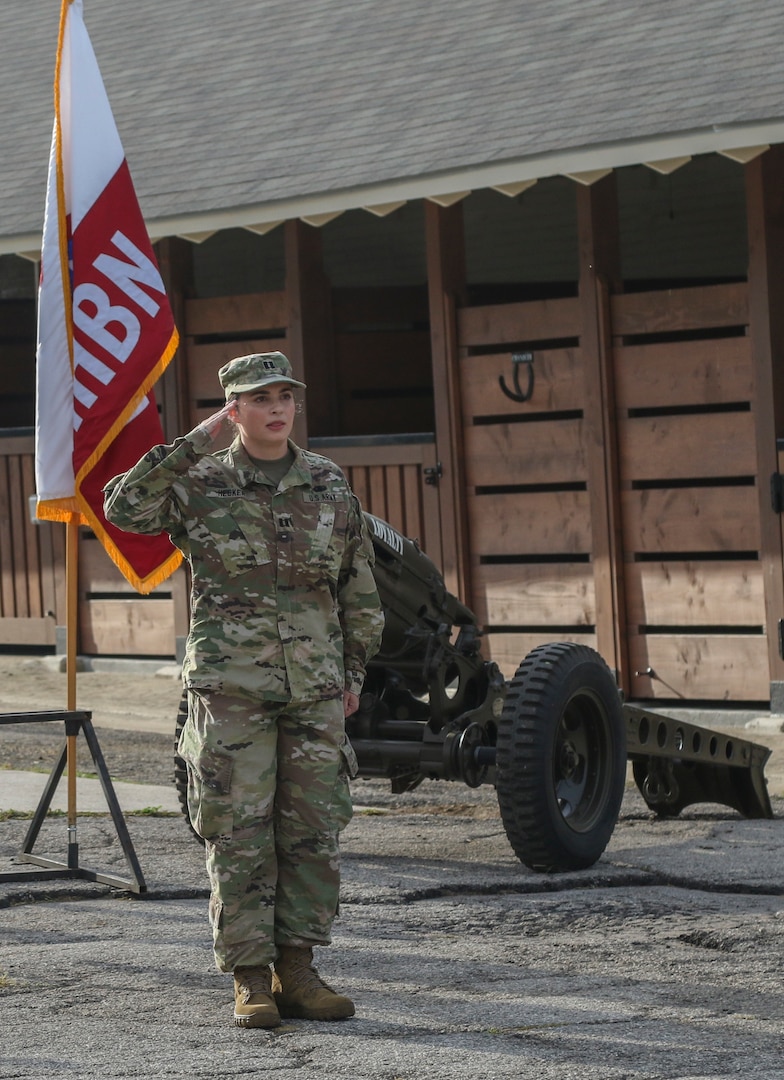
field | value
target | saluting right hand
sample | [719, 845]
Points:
[214, 424]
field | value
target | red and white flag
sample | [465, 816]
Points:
[105, 328]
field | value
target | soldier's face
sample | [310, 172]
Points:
[264, 419]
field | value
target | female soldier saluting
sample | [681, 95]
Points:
[284, 617]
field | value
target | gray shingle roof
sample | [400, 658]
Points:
[250, 110]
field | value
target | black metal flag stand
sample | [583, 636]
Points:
[75, 721]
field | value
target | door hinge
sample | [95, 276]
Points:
[433, 473]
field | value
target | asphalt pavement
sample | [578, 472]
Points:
[664, 960]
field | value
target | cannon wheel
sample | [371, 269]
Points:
[561, 758]
[180, 768]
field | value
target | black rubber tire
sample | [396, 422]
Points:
[561, 758]
[180, 768]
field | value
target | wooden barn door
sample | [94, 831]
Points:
[528, 496]
[684, 387]
[682, 454]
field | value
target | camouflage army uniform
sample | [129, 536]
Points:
[284, 617]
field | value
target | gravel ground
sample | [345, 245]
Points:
[139, 758]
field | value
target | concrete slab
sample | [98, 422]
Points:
[21, 791]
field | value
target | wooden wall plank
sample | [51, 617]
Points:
[533, 320]
[715, 593]
[691, 519]
[531, 594]
[509, 650]
[688, 446]
[347, 456]
[394, 490]
[16, 444]
[245, 313]
[98, 573]
[536, 452]
[27, 631]
[558, 383]
[377, 488]
[669, 310]
[205, 360]
[52, 564]
[712, 372]
[716, 667]
[140, 627]
[358, 481]
[553, 523]
[414, 525]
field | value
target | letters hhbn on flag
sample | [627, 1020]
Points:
[105, 327]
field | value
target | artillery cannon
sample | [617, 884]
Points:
[554, 741]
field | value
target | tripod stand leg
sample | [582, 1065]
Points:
[44, 803]
[114, 806]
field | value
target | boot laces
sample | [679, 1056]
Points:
[254, 981]
[307, 976]
[312, 980]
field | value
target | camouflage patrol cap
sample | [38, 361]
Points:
[245, 373]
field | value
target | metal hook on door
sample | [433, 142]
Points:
[518, 394]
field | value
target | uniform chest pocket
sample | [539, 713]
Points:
[239, 544]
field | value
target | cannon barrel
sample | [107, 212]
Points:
[413, 594]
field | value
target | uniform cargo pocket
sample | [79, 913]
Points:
[210, 806]
[342, 808]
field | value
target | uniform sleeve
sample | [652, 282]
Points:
[361, 615]
[144, 499]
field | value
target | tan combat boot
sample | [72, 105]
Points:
[301, 994]
[254, 1005]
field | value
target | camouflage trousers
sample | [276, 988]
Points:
[268, 790]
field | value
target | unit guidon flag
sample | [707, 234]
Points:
[105, 327]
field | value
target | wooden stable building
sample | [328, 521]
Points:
[568, 387]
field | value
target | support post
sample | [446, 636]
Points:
[446, 290]
[599, 269]
[310, 334]
[175, 261]
[765, 213]
[72, 637]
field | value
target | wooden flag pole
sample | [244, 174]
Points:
[71, 637]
